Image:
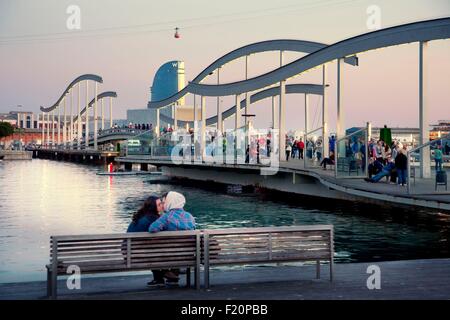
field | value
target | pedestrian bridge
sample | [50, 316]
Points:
[292, 177]
[277, 83]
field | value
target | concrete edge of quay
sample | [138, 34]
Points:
[351, 193]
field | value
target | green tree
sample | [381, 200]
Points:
[6, 129]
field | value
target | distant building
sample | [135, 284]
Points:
[168, 80]
[21, 119]
[28, 128]
[441, 129]
[10, 118]
[404, 135]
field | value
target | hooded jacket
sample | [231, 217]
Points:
[175, 218]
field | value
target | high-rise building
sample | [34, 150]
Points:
[168, 80]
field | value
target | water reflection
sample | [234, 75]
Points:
[40, 198]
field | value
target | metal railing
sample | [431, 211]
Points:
[412, 164]
[313, 151]
[351, 154]
[140, 144]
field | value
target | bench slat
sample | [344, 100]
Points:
[261, 258]
[232, 231]
[122, 266]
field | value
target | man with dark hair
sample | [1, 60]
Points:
[401, 164]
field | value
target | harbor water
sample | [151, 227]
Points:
[40, 198]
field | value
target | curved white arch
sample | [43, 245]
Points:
[100, 96]
[270, 92]
[258, 47]
[83, 77]
[407, 33]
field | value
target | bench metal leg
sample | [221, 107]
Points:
[331, 270]
[317, 269]
[206, 259]
[197, 262]
[49, 283]
[188, 277]
[206, 271]
[197, 277]
[54, 285]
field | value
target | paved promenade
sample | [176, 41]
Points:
[423, 190]
[413, 279]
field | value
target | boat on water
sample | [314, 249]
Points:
[130, 173]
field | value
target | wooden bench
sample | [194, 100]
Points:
[123, 253]
[239, 246]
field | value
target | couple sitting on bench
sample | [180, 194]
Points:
[163, 214]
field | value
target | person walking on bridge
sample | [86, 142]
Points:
[301, 146]
[401, 165]
[438, 158]
[288, 151]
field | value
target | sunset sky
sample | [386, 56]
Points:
[126, 41]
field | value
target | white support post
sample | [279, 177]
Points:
[59, 126]
[306, 130]
[325, 142]
[103, 115]
[195, 126]
[195, 110]
[281, 116]
[340, 123]
[79, 120]
[32, 122]
[424, 134]
[203, 128]
[71, 119]
[48, 129]
[95, 117]
[157, 123]
[340, 108]
[219, 113]
[175, 117]
[247, 106]
[282, 120]
[65, 124]
[237, 125]
[43, 129]
[53, 128]
[274, 113]
[110, 112]
[306, 114]
[247, 102]
[195, 117]
[86, 137]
